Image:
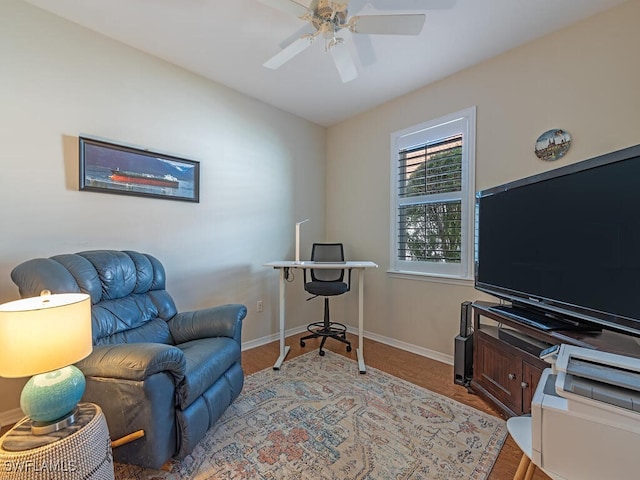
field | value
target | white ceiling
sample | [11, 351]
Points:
[229, 40]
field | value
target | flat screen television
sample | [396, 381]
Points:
[565, 244]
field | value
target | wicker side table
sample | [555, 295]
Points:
[81, 451]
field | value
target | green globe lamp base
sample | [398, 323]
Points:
[50, 399]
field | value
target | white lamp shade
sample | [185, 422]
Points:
[41, 334]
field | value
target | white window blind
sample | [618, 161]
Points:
[433, 197]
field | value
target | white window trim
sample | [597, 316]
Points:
[414, 136]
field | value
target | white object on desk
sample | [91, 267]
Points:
[360, 266]
[584, 434]
[585, 419]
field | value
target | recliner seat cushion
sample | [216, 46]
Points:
[207, 360]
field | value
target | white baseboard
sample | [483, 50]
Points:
[10, 417]
[258, 342]
[425, 352]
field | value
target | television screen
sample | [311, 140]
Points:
[567, 240]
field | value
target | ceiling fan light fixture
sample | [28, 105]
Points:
[333, 41]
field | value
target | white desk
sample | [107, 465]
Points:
[284, 266]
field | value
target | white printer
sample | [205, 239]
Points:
[585, 416]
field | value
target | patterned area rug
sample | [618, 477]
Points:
[319, 419]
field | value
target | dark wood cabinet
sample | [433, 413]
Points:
[507, 374]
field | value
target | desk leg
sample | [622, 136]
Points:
[359, 351]
[284, 349]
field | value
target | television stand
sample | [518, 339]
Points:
[506, 368]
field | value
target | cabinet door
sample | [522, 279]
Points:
[530, 377]
[498, 370]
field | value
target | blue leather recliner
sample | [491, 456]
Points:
[170, 374]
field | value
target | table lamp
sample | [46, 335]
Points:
[298, 239]
[43, 336]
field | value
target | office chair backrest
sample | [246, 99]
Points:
[327, 252]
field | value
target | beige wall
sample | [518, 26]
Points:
[261, 168]
[584, 79]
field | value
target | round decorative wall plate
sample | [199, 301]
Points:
[552, 145]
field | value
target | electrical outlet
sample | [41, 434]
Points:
[259, 306]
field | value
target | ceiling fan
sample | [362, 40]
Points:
[328, 17]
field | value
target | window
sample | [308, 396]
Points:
[432, 196]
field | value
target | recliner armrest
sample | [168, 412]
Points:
[220, 321]
[134, 361]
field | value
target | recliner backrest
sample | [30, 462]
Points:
[127, 290]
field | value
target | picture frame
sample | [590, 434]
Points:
[111, 168]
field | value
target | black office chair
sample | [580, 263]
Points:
[327, 283]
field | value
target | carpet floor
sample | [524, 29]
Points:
[318, 418]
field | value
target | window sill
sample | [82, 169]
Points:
[429, 277]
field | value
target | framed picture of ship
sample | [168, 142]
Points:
[110, 168]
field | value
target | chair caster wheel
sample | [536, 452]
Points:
[348, 348]
[302, 343]
[321, 353]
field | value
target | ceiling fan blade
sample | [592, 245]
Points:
[344, 62]
[365, 50]
[289, 52]
[355, 5]
[287, 6]
[306, 30]
[387, 24]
